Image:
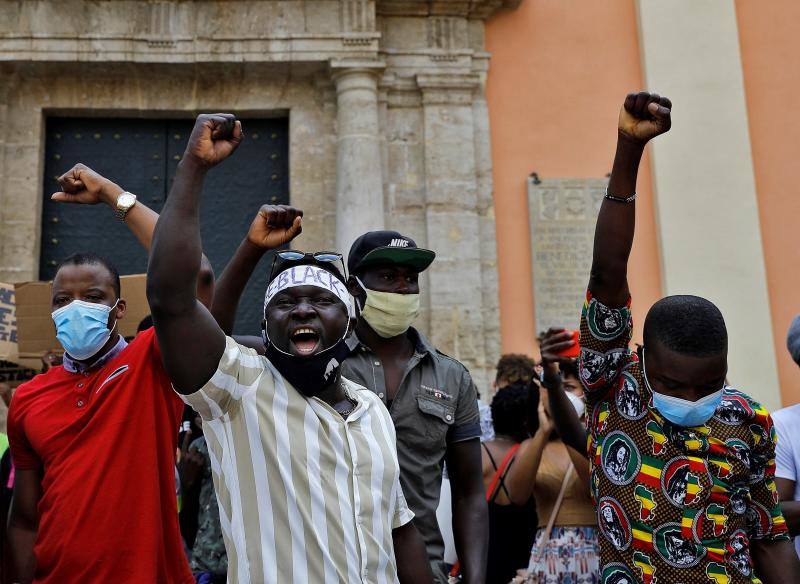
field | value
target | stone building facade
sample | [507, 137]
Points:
[388, 123]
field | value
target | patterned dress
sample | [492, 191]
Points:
[570, 556]
[673, 504]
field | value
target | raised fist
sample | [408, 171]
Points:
[275, 225]
[84, 186]
[554, 342]
[214, 138]
[644, 116]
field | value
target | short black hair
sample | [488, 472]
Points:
[688, 325]
[514, 367]
[146, 323]
[569, 368]
[512, 407]
[88, 258]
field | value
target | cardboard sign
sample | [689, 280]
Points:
[8, 323]
[36, 333]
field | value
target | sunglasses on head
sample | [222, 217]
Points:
[293, 256]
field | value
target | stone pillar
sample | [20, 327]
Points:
[359, 177]
[453, 218]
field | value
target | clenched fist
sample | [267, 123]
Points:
[644, 116]
[275, 225]
[82, 185]
[214, 138]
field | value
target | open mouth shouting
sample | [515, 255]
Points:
[304, 340]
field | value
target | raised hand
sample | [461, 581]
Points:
[644, 116]
[554, 342]
[275, 225]
[214, 138]
[82, 185]
[546, 425]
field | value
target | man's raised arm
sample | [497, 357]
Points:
[82, 185]
[258, 241]
[643, 116]
[191, 341]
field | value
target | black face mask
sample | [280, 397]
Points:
[309, 375]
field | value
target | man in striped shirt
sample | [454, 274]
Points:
[304, 461]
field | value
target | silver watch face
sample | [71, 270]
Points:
[126, 201]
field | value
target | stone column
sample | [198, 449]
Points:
[453, 218]
[359, 177]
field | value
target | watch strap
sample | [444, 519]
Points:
[121, 211]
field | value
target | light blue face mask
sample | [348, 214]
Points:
[82, 327]
[683, 412]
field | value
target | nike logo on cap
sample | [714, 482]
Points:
[398, 243]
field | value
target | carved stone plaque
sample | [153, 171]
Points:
[563, 213]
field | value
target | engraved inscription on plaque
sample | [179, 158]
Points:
[563, 213]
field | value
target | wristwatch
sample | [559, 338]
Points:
[125, 201]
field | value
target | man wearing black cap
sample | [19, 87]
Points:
[430, 396]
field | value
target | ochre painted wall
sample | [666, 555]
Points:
[769, 47]
[560, 70]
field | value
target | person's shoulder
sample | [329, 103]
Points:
[786, 415]
[738, 408]
[144, 343]
[35, 385]
[457, 369]
[246, 356]
[251, 342]
[363, 393]
[739, 398]
[439, 356]
[360, 390]
[147, 336]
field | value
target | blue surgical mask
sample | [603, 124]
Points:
[82, 327]
[683, 412]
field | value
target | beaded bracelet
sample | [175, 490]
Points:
[616, 199]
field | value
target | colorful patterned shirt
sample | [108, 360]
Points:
[673, 504]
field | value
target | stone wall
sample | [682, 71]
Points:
[388, 120]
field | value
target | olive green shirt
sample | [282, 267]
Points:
[434, 407]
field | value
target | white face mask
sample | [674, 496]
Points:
[577, 403]
[388, 313]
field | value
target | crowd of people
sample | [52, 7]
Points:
[317, 451]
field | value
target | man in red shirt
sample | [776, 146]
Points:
[94, 443]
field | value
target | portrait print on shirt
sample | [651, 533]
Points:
[733, 410]
[620, 458]
[614, 523]
[617, 574]
[685, 481]
[675, 549]
[605, 323]
[629, 400]
[738, 553]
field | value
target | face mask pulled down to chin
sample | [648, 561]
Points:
[82, 328]
[389, 314]
[310, 375]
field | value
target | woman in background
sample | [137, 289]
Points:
[512, 526]
[552, 459]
